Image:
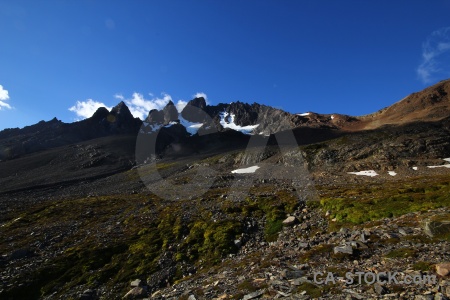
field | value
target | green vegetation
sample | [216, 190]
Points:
[423, 266]
[359, 204]
[312, 290]
[119, 237]
[113, 239]
[401, 253]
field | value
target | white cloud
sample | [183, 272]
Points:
[436, 56]
[4, 96]
[85, 109]
[139, 106]
[180, 105]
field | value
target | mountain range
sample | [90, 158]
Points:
[88, 207]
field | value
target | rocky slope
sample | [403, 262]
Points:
[90, 211]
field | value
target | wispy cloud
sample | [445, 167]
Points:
[4, 96]
[85, 109]
[436, 56]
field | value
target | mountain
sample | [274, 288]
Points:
[227, 201]
[54, 133]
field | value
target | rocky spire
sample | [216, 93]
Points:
[195, 110]
[170, 112]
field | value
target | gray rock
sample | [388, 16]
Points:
[253, 295]
[302, 245]
[291, 274]
[353, 295]
[137, 292]
[437, 228]
[405, 231]
[290, 221]
[88, 295]
[192, 297]
[379, 289]
[443, 269]
[136, 282]
[440, 296]
[299, 281]
[347, 249]
[424, 297]
[363, 238]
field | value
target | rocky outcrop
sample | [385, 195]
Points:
[170, 113]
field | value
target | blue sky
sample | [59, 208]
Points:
[351, 57]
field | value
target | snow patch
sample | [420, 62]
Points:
[303, 114]
[149, 128]
[442, 166]
[170, 124]
[392, 173]
[370, 173]
[246, 170]
[332, 117]
[191, 127]
[227, 121]
[415, 168]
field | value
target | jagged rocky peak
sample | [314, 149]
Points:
[100, 114]
[170, 112]
[121, 118]
[194, 111]
[244, 113]
[199, 102]
[155, 117]
[121, 109]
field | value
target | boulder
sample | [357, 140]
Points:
[347, 249]
[443, 269]
[290, 221]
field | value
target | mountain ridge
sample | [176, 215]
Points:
[431, 104]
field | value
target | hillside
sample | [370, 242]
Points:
[232, 201]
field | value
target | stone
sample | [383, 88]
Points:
[363, 238]
[299, 281]
[436, 228]
[447, 290]
[405, 231]
[347, 249]
[136, 293]
[192, 297]
[291, 274]
[443, 269]
[88, 295]
[440, 296]
[424, 297]
[379, 289]
[136, 282]
[302, 245]
[253, 295]
[290, 221]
